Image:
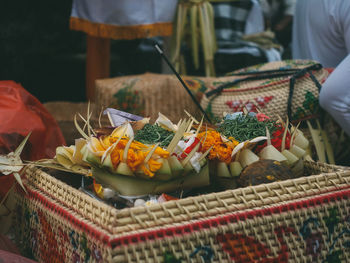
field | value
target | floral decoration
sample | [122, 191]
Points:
[243, 248]
[129, 100]
[196, 86]
[206, 253]
[47, 243]
[310, 107]
[221, 150]
[314, 237]
[252, 106]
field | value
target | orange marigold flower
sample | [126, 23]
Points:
[135, 158]
[161, 152]
[221, 150]
[116, 156]
[151, 167]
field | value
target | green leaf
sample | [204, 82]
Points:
[170, 258]
[334, 257]
[332, 220]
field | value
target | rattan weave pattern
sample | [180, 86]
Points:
[187, 209]
[260, 226]
[160, 93]
[165, 94]
[62, 231]
[253, 93]
[60, 246]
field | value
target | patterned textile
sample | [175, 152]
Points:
[234, 19]
[300, 220]
[230, 19]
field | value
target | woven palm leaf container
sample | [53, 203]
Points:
[264, 87]
[300, 220]
[147, 94]
[282, 88]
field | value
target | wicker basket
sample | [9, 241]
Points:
[149, 94]
[300, 220]
[64, 112]
[267, 88]
[152, 93]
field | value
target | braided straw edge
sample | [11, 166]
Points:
[130, 219]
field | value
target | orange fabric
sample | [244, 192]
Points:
[121, 32]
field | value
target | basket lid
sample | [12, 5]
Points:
[270, 74]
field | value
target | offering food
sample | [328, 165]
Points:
[138, 158]
[263, 172]
[160, 157]
[253, 137]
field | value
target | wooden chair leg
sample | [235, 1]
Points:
[97, 63]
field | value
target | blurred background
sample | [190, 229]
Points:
[38, 50]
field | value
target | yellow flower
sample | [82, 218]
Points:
[116, 156]
[136, 154]
[138, 145]
[151, 167]
[233, 143]
[106, 141]
[161, 152]
[135, 158]
[221, 150]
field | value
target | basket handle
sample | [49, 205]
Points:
[293, 79]
[220, 88]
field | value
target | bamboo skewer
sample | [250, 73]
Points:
[182, 82]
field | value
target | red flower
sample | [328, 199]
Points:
[276, 140]
[262, 117]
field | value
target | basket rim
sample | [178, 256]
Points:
[115, 241]
[192, 208]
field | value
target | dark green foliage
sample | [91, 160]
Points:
[246, 127]
[151, 134]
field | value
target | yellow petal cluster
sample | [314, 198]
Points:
[136, 153]
[151, 167]
[220, 150]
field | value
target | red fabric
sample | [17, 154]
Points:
[13, 258]
[21, 113]
[9, 253]
[7, 245]
[5, 184]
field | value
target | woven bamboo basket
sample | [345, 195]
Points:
[64, 112]
[152, 93]
[299, 220]
[149, 94]
[270, 92]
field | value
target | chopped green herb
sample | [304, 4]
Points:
[151, 134]
[246, 127]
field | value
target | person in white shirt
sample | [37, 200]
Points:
[335, 95]
[321, 31]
